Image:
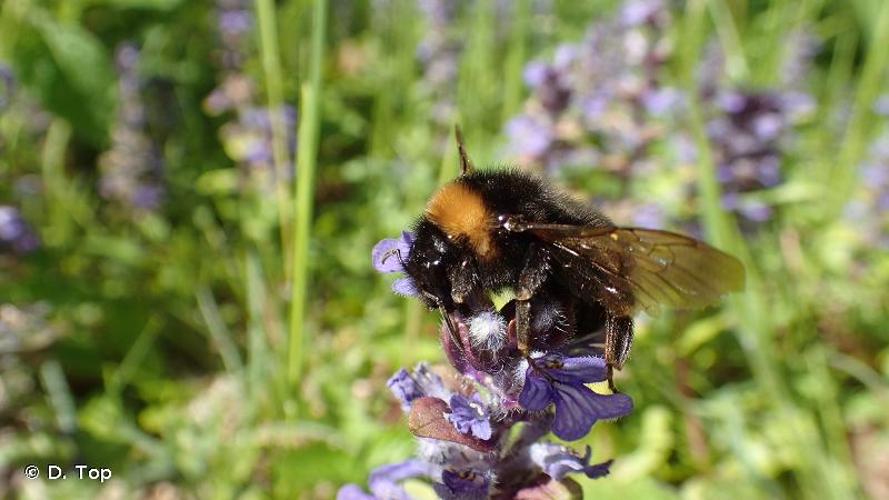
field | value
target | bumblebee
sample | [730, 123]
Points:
[494, 230]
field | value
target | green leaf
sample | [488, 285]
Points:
[70, 71]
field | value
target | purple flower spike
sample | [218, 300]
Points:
[469, 416]
[463, 485]
[558, 461]
[557, 379]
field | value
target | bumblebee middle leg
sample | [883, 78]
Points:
[618, 342]
[534, 273]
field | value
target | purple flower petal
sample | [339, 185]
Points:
[408, 386]
[383, 481]
[387, 257]
[388, 254]
[405, 388]
[353, 492]
[469, 416]
[578, 408]
[405, 287]
[575, 415]
[558, 461]
[537, 392]
[464, 485]
[581, 369]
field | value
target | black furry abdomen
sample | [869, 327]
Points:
[515, 193]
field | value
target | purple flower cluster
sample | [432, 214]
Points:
[132, 170]
[606, 102]
[745, 136]
[16, 234]
[235, 23]
[438, 53]
[598, 101]
[248, 138]
[480, 423]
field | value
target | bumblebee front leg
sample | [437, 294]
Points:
[618, 342]
[534, 273]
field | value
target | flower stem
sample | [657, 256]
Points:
[271, 65]
[308, 132]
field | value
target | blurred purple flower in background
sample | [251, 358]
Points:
[605, 103]
[7, 86]
[235, 24]
[248, 139]
[598, 100]
[746, 136]
[15, 233]
[869, 208]
[439, 54]
[132, 170]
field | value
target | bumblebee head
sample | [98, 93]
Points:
[432, 254]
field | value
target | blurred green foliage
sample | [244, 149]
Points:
[160, 342]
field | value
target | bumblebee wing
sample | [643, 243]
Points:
[662, 269]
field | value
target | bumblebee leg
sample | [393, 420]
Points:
[464, 280]
[618, 342]
[523, 325]
[534, 273]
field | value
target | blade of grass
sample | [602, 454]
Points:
[515, 58]
[735, 60]
[871, 82]
[218, 331]
[257, 350]
[60, 397]
[308, 135]
[271, 65]
[126, 370]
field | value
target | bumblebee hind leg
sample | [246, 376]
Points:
[618, 342]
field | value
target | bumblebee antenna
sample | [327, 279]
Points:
[466, 166]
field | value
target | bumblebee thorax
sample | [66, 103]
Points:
[461, 213]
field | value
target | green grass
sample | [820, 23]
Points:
[237, 342]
